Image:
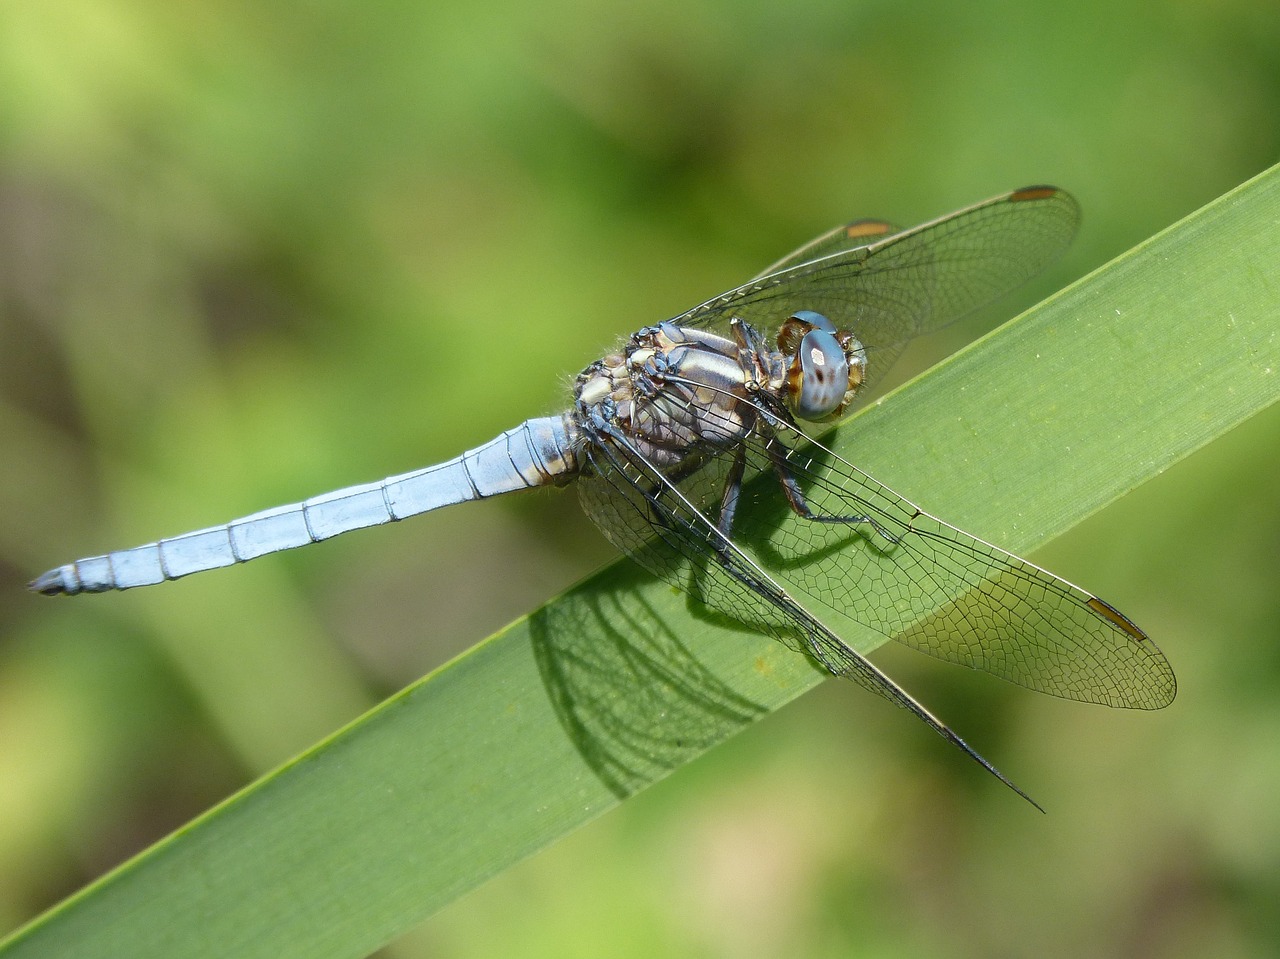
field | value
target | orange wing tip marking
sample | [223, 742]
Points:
[865, 228]
[1040, 193]
[1117, 618]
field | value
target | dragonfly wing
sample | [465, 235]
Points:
[910, 576]
[850, 236]
[669, 529]
[911, 282]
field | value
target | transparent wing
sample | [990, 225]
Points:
[859, 233]
[888, 287]
[669, 529]
[879, 560]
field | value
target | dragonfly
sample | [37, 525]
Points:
[687, 450]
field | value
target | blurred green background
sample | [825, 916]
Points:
[252, 252]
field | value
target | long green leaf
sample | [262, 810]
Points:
[550, 723]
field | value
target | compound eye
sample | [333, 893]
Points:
[819, 375]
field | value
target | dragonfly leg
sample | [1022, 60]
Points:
[800, 505]
[732, 490]
[724, 524]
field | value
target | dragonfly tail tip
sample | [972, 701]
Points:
[49, 584]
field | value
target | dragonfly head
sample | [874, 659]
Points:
[826, 365]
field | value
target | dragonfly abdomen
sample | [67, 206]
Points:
[538, 452]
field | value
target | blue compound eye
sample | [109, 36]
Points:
[819, 375]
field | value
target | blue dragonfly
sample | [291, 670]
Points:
[687, 452]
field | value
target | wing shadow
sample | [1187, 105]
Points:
[635, 701]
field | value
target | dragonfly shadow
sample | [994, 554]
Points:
[632, 697]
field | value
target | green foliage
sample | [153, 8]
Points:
[252, 253]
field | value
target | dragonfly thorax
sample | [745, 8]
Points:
[675, 391]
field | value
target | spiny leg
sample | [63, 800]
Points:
[799, 503]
